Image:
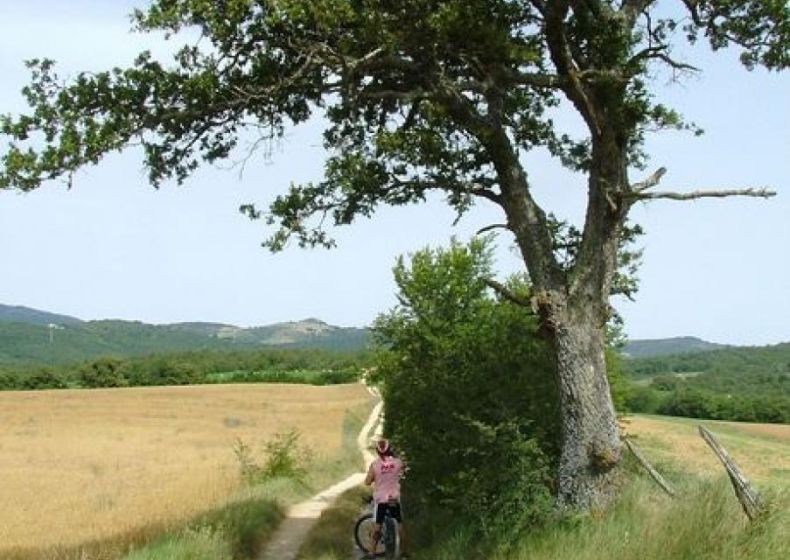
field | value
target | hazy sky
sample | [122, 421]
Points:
[113, 247]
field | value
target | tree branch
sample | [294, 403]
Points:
[651, 181]
[562, 58]
[632, 8]
[507, 294]
[491, 227]
[659, 53]
[754, 192]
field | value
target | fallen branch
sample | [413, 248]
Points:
[649, 468]
[750, 500]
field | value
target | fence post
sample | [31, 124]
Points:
[749, 499]
[649, 468]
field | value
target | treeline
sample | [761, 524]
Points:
[744, 361]
[737, 384]
[314, 366]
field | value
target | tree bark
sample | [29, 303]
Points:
[574, 306]
[590, 450]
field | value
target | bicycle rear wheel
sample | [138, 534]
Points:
[390, 538]
[363, 534]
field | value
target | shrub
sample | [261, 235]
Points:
[285, 457]
[104, 372]
[43, 379]
[469, 391]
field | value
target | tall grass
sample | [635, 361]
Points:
[704, 523]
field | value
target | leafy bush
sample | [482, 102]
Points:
[468, 390]
[43, 379]
[104, 372]
[285, 457]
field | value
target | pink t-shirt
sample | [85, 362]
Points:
[386, 478]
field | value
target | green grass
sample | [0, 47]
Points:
[330, 538]
[705, 521]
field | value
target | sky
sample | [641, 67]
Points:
[114, 247]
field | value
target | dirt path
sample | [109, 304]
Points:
[286, 541]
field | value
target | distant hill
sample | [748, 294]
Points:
[26, 338]
[21, 314]
[668, 346]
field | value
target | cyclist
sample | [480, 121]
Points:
[385, 473]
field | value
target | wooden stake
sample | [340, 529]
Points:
[649, 468]
[750, 500]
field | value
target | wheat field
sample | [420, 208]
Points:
[86, 465]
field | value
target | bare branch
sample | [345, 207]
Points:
[491, 227]
[651, 181]
[660, 53]
[754, 192]
[503, 291]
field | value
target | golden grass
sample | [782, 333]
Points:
[761, 450]
[86, 465]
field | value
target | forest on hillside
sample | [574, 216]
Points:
[748, 384]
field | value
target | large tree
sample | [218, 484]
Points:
[418, 96]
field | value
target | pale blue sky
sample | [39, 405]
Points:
[113, 247]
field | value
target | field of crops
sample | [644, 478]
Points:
[82, 465]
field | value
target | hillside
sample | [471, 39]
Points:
[21, 314]
[732, 360]
[668, 346]
[27, 338]
[750, 384]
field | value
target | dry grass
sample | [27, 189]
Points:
[761, 450]
[79, 466]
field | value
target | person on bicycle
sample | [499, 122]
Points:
[384, 474]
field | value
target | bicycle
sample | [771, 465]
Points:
[389, 542]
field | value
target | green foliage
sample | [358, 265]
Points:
[706, 524]
[284, 456]
[44, 378]
[477, 424]
[105, 372]
[314, 367]
[739, 384]
[407, 106]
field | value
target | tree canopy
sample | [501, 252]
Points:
[420, 96]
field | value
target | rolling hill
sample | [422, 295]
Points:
[26, 337]
[668, 346]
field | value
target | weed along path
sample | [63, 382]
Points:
[289, 536]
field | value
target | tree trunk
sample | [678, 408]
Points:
[590, 448]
